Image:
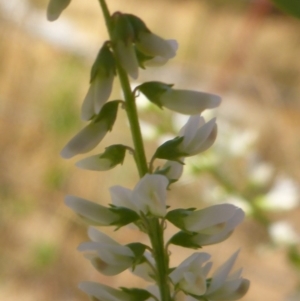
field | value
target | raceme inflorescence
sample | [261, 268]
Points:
[132, 46]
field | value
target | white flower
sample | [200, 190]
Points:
[148, 196]
[173, 169]
[190, 275]
[282, 233]
[86, 140]
[102, 292]
[153, 45]
[198, 136]
[226, 285]
[213, 224]
[106, 255]
[55, 8]
[98, 93]
[189, 102]
[93, 213]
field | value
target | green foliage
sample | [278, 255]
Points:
[44, 254]
[291, 7]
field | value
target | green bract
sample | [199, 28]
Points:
[55, 8]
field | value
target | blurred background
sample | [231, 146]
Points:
[246, 51]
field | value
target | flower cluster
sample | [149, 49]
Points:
[132, 46]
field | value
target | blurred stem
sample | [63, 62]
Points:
[130, 106]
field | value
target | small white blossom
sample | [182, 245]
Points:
[55, 8]
[188, 102]
[213, 224]
[148, 196]
[106, 255]
[93, 213]
[227, 285]
[198, 135]
[102, 292]
[190, 275]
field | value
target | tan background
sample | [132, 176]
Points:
[248, 52]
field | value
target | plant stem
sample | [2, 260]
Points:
[155, 229]
[161, 257]
[130, 106]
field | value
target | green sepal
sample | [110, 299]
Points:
[138, 249]
[169, 150]
[136, 294]
[153, 90]
[126, 216]
[291, 7]
[115, 154]
[142, 58]
[184, 239]
[104, 64]
[137, 24]
[122, 28]
[108, 113]
[176, 217]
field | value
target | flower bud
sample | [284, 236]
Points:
[149, 43]
[101, 82]
[123, 38]
[55, 8]
[91, 212]
[91, 135]
[107, 256]
[181, 101]
[205, 227]
[197, 135]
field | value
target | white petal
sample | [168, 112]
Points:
[103, 292]
[209, 217]
[98, 93]
[189, 130]
[95, 163]
[87, 139]
[122, 197]
[91, 211]
[205, 136]
[98, 236]
[144, 270]
[149, 195]
[221, 273]
[175, 169]
[128, 58]
[189, 102]
[154, 45]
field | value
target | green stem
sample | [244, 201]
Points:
[161, 258]
[131, 110]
